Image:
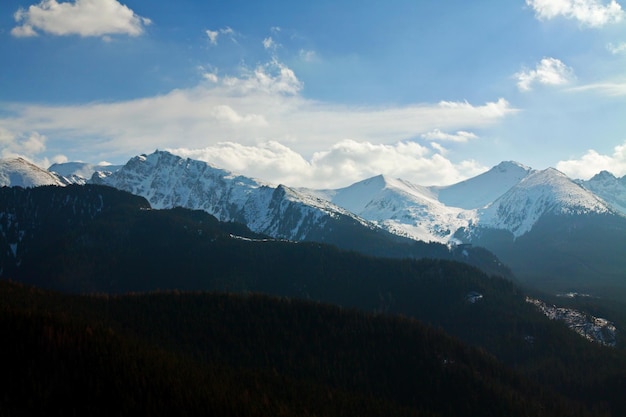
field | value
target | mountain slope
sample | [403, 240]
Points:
[482, 190]
[611, 189]
[80, 172]
[401, 208]
[217, 354]
[540, 193]
[556, 236]
[17, 172]
[282, 212]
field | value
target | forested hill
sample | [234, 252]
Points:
[233, 355]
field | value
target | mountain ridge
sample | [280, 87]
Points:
[539, 215]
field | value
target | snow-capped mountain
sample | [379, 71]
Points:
[166, 181]
[21, 173]
[608, 187]
[540, 223]
[482, 190]
[540, 193]
[401, 208]
[80, 172]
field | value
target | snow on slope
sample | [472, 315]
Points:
[80, 172]
[611, 189]
[166, 181]
[21, 173]
[401, 208]
[542, 192]
[509, 196]
[479, 191]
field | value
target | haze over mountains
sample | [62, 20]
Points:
[539, 222]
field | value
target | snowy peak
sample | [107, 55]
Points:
[541, 192]
[603, 177]
[81, 172]
[21, 173]
[610, 188]
[400, 207]
[479, 191]
[357, 197]
[167, 181]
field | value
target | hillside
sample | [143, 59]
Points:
[252, 355]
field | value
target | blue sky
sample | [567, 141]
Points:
[321, 93]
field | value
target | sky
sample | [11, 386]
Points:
[318, 94]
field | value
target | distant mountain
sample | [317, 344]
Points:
[608, 187]
[18, 172]
[557, 234]
[400, 207]
[482, 190]
[80, 172]
[281, 212]
[547, 192]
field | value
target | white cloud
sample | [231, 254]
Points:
[342, 164]
[549, 71]
[459, 136]
[268, 43]
[82, 17]
[29, 146]
[259, 105]
[620, 48]
[592, 13]
[592, 162]
[214, 34]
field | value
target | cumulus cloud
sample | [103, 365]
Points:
[343, 163]
[81, 17]
[593, 162]
[591, 13]
[549, 71]
[29, 146]
[459, 136]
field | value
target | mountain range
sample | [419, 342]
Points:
[98, 239]
[557, 234]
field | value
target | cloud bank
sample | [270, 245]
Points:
[342, 164]
[82, 17]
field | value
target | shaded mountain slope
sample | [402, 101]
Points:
[249, 356]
